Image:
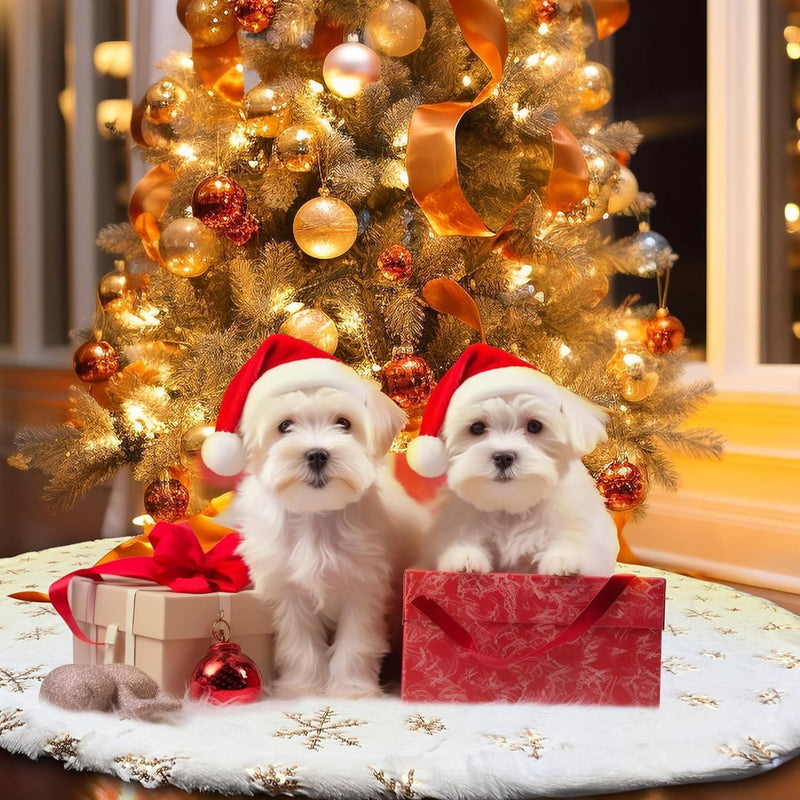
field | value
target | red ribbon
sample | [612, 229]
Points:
[590, 615]
[178, 561]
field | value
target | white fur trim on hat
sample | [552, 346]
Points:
[427, 456]
[502, 381]
[223, 453]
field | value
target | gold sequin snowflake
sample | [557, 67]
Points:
[432, 726]
[395, 787]
[321, 727]
[528, 742]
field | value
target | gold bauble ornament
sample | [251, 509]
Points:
[209, 22]
[636, 381]
[296, 148]
[396, 28]
[325, 227]
[188, 247]
[164, 101]
[312, 326]
[266, 107]
[113, 288]
[664, 333]
[95, 361]
[349, 67]
[624, 188]
[594, 83]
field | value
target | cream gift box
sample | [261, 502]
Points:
[161, 632]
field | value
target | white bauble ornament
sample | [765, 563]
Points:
[348, 68]
[623, 192]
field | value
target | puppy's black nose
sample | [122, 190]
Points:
[503, 460]
[317, 459]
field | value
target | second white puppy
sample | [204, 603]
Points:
[518, 498]
[326, 529]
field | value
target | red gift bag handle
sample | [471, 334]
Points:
[599, 604]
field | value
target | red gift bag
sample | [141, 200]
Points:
[538, 638]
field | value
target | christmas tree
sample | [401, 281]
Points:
[388, 181]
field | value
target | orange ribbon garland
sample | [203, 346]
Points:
[431, 158]
[431, 161]
[448, 297]
[147, 205]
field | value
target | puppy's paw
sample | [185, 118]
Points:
[559, 561]
[464, 558]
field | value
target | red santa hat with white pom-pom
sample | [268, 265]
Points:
[281, 364]
[480, 372]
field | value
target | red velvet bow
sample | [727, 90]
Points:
[178, 561]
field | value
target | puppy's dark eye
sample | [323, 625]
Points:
[477, 428]
[285, 426]
[343, 423]
[534, 426]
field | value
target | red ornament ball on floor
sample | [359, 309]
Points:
[226, 675]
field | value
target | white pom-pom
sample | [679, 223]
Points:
[427, 457]
[223, 453]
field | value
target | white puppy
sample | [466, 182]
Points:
[326, 529]
[518, 498]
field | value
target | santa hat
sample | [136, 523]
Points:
[480, 372]
[281, 364]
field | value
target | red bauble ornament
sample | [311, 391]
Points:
[664, 334]
[545, 12]
[95, 362]
[166, 501]
[221, 204]
[255, 15]
[407, 379]
[226, 674]
[623, 485]
[395, 262]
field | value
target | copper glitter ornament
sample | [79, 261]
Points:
[545, 12]
[221, 204]
[664, 333]
[407, 379]
[95, 361]
[394, 262]
[226, 675]
[255, 15]
[167, 500]
[623, 485]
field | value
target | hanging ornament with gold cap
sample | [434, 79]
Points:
[220, 203]
[296, 148]
[188, 247]
[113, 289]
[394, 263]
[631, 367]
[664, 333]
[163, 101]
[325, 227]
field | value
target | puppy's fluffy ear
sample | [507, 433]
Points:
[586, 422]
[386, 420]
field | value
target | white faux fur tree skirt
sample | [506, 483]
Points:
[730, 707]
